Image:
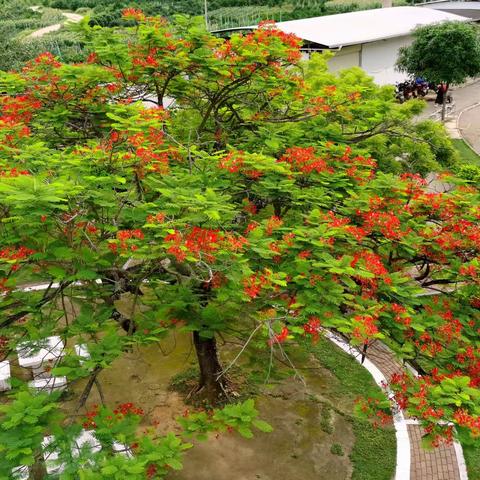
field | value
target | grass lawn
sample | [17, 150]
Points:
[368, 464]
[355, 381]
[466, 153]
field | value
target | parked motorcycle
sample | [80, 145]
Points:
[413, 89]
[405, 91]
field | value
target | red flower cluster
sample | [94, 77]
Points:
[364, 328]
[305, 160]
[157, 162]
[253, 284]
[94, 416]
[468, 270]
[317, 105]
[336, 222]
[46, 58]
[427, 344]
[359, 167]
[273, 223]
[415, 183]
[279, 337]
[200, 242]
[313, 328]
[232, 162]
[372, 262]
[251, 227]
[124, 236]
[249, 207]
[148, 60]
[133, 14]
[89, 421]
[158, 218]
[151, 470]
[17, 110]
[267, 32]
[124, 409]
[387, 223]
[196, 241]
[400, 382]
[401, 315]
[464, 419]
[12, 254]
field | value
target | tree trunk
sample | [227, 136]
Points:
[38, 470]
[444, 103]
[364, 352]
[444, 106]
[210, 386]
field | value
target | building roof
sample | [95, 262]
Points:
[365, 26]
[465, 9]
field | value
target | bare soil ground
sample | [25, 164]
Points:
[297, 448]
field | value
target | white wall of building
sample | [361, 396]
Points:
[376, 58]
[345, 58]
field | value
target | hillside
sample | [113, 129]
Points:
[24, 34]
[221, 13]
[19, 18]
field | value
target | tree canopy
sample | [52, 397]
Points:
[251, 207]
[447, 52]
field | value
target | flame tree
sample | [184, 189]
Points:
[229, 213]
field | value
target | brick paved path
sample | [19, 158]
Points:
[439, 464]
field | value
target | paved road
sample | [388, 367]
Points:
[71, 17]
[466, 116]
[469, 126]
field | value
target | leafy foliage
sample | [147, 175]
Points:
[251, 207]
[448, 52]
[221, 13]
[117, 450]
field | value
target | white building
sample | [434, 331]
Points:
[369, 38]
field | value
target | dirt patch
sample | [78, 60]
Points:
[307, 418]
[297, 448]
[142, 377]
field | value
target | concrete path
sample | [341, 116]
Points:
[468, 124]
[464, 122]
[70, 17]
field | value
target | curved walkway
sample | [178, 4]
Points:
[413, 461]
[70, 17]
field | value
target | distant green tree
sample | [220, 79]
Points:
[447, 52]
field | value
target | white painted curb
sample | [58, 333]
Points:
[462, 466]
[402, 469]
